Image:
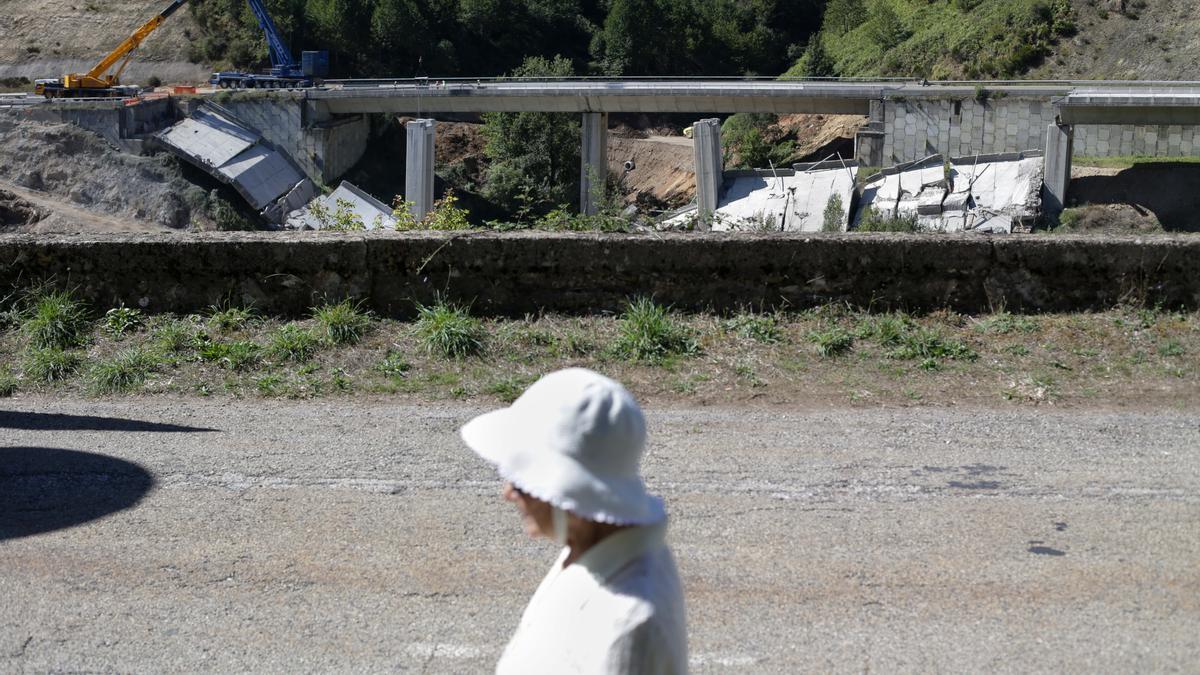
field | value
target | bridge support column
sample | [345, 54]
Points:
[1060, 139]
[418, 167]
[593, 171]
[706, 147]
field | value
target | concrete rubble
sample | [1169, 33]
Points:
[782, 200]
[348, 201]
[996, 194]
[234, 153]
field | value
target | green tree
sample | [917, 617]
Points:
[842, 16]
[534, 156]
[816, 62]
[884, 25]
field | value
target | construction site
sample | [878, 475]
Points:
[908, 289]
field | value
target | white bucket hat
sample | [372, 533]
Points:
[573, 439]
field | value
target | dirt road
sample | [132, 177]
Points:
[158, 534]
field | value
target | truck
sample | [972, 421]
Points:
[99, 82]
[285, 72]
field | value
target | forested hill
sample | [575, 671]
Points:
[445, 38]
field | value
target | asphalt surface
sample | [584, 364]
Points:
[149, 535]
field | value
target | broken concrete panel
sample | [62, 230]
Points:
[371, 212]
[261, 175]
[781, 200]
[209, 138]
[929, 202]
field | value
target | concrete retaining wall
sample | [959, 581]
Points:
[122, 126]
[919, 128]
[323, 146]
[516, 273]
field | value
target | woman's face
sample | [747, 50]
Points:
[535, 513]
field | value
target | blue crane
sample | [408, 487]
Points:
[285, 72]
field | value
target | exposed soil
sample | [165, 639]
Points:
[83, 183]
[1144, 197]
[1129, 40]
[817, 136]
[46, 38]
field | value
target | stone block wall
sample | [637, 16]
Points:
[958, 128]
[519, 273]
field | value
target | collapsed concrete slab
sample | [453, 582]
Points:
[235, 154]
[348, 204]
[985, 193]
[782, 200]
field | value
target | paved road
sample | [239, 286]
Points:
[159, 534]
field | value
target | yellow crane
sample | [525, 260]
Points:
[98, 82]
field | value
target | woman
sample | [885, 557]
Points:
[570, 449]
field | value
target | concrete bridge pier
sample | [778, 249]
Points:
[593, 171]
[1060, 141]
[418, 167]
[706, 146]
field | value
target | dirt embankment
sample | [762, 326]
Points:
[1142, 198]
[46, 38]
[76, 181]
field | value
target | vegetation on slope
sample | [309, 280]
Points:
[938, 39]
[405, 38]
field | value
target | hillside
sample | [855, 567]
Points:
[45, 38]
[951, 39]
[1148, 40]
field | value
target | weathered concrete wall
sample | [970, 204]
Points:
[121, 125]
[919, 128]
[517, 273]
[322, 145]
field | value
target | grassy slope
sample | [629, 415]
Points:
[996, 38]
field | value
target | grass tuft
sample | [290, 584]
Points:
[175, 336]
[294, 343]
[343, 323]
[448, 330]
[393, 365]
[648, 332]
[55, 319]
[758, 327]
[121, 320]
[8, 382]
[226, 318]
[50, 364]
[929, 344]
[832, 342]
[1004, 323]
[508, 388]
[125, 371]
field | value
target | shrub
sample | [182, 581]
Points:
[832, 342]
[121, 320]
[126, 370]
[446, 215]
[342, 218]
[294, 343]
[648, 332]
[49, 364]
[55, 319]
[835, 214]
[874, 221]
[343, 323]
[449, 330]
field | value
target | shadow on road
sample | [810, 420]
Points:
[35, 421]
[47, 489]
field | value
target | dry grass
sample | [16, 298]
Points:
[1125, 357]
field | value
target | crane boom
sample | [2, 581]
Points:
[126, 48]
[281, 56]
[98, 81]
